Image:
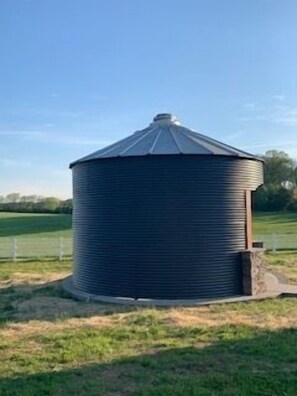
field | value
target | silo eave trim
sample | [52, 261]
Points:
[150, 154]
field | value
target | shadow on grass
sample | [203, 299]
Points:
[34, 224]
[257, 364]
[48, 301]
[277, 215]
[287, 252]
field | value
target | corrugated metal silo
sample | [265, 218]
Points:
[163, 214]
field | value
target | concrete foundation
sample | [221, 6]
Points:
[273, 289]
[257, 284]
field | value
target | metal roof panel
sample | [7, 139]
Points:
[165, 136]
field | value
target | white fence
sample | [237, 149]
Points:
[276, 242]
[21, 248]
[14, 248]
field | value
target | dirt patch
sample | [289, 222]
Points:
[48, 313]
[69, 314]
[45, 306]
[31, 279]
[20, 330]
[191, 317]
[196, 317]
[289, 272]
[55, 308]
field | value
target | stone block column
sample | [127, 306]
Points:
[253, 272]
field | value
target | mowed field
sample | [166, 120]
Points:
[59, 225]
[38, 235]
[35, 225]
[275, 222]
[53, 345]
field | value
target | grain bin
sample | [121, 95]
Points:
[163, 214]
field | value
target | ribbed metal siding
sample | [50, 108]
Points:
[168, 227]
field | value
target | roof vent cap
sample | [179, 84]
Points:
[167, 117]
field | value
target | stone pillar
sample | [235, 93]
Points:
[253, 271]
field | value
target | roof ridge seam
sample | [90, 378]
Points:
[155, 142]
[112, 147]
[193, 139]
[137, 141]
[216, 143]
[174, 138]
[107, 149]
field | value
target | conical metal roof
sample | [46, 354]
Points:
[165, 136]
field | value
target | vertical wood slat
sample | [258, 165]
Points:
[249, 233]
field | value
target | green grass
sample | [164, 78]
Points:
[239, 361]
[31, 225]
[53, 345]
[275, 222]
[59, 225]
[8, 268]
[285, 263]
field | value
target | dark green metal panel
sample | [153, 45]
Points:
[167, 227]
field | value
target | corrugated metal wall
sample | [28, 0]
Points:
[168, 227]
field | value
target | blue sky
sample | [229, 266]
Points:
[77, 75]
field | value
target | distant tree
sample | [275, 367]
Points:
[280, 183]
[34, 203]
[272, 198]
[49, 204]
[25, 198]
[66, 206]
[13, 197]
[279, 167]
[295, 175]
[33, 198]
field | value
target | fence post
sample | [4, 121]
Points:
[14, 249]
[61, 249]
[274, 243]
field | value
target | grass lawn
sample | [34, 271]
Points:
[35, 225]
[275, 222]
[285, 263]
[38, 234]
[53, 345]
[59, 225]
[31, 225]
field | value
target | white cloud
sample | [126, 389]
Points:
[48, 125]
[279, 97]
[55, 138]
[285, 116]
[234, 136]
[73, 140]
[249, 106]
[13, 163]
[23, 134]
[277, 114]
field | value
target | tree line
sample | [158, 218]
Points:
[15, 202]
[279, 191]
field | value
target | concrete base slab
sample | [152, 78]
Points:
[273, 289]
